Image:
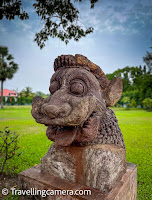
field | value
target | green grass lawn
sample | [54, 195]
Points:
[32, 141]
[136, 126]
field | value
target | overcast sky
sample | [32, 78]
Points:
[122, 35]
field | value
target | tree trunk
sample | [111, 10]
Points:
[1, 94]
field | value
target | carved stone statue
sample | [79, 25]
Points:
[88, 144]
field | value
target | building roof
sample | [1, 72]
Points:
[9, 93]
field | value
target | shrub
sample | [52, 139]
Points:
[8, 146]
[147, 103]
[133, 103]
[126, 100]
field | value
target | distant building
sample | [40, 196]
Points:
[9, 94]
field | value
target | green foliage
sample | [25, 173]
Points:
[8, 146]
[12, 197]
[27, 92]
[60, 18]
[12, 8]
[41, 94]
[7, 65]
[148, 60]
[7, 68]
[137, 83]
[133, 103]
[147, 103]
[146, 86]
[25, 97]
[133, 77]
[126, 100]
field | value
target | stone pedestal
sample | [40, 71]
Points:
[100, 166]
[125, 189]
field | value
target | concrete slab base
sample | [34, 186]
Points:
[125, 189]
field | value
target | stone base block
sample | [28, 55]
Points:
[99, 166]
[125, 189]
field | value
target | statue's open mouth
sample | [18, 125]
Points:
[65, 135]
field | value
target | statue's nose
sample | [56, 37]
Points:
[55, 111]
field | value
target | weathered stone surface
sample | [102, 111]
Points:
[104, 166]
[88, 144]
[59, 163]
[76, 111]
[99, 166]
[125, 189]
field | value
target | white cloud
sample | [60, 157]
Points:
[127, 17]
[116, 42]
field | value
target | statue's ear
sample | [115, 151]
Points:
[113, 92]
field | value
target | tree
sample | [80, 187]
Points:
[60, 18]
[133, 103]
[12, 8]
[39, 93]
[146, 86]
[27, 92]
[148, 60]
[7, 68]
[126, 100]
[125, 74]
[147, 103]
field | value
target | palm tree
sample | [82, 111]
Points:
[7, 68]
[27, 92]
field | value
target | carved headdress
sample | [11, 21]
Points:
[111, 90]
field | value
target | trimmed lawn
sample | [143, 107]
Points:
[136, 126]
[32, 140]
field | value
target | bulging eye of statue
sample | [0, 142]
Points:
[54, 86]
[77, 88]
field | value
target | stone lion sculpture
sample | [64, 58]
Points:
[76, 112]
[88, 144]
